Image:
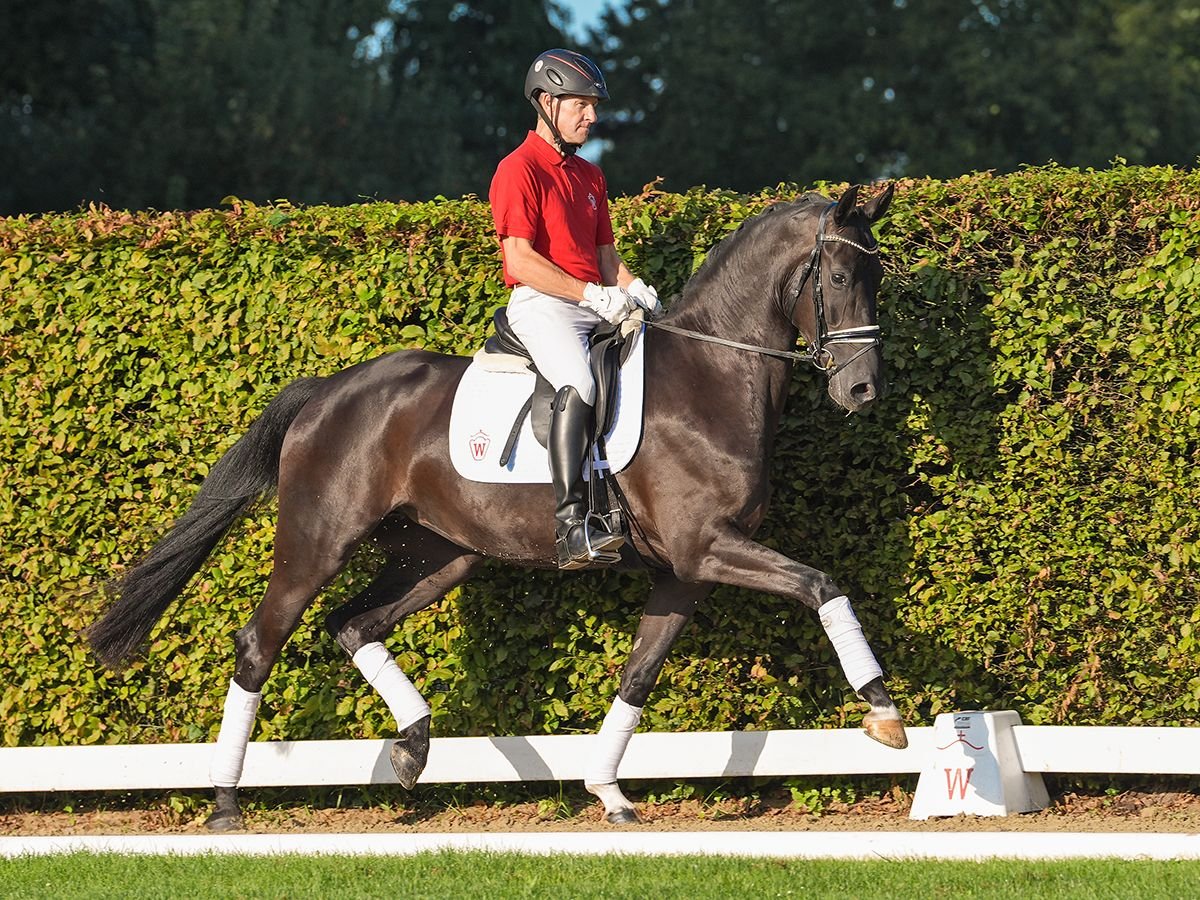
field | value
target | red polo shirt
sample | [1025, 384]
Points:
[559, 204]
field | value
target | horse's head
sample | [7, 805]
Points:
[832, 297]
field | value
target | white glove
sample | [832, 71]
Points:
[610, 303]
[646, 297]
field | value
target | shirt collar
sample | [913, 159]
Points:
[546, 151]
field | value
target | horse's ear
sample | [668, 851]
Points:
[877, 206]
[846, 205]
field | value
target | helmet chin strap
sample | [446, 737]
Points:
[564, 148]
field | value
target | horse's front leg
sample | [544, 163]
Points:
[883, 722]
[732, 558]
[668, 610]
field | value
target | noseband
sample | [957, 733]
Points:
[817, 352]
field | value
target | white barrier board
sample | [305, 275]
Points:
[1109, 750]
[651, 755]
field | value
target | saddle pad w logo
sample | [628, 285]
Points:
[486, 406]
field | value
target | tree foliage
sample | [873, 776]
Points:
[150, 104]
[800, 89]
[147, 103]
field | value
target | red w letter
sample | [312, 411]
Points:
[958, 782]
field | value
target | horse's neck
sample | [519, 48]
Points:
[753, 386]
[736, 297]
[748, 313]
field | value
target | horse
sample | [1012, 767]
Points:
[362, 455]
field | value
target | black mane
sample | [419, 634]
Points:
[727, 249]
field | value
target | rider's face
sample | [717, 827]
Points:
[574, 117]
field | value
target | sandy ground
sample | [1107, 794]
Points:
[1133, 811]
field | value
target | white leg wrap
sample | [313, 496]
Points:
[858, 662]
[237, 722]
[611, 741]
[382, 673]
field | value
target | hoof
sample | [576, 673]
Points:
[225, 820]
[626, 816]
[617, 810]
[228, 814]
[888, 731]
[410, 752]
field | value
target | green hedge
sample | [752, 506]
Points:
[1017, 521]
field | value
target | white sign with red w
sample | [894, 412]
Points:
[975, 769]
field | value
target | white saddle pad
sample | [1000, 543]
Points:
[486, 406]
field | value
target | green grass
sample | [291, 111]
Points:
[483, 875]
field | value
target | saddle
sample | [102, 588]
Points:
[609, 346]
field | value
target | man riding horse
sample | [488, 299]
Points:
[363, 455]
[550, 207]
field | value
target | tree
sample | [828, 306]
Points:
[60, 69]
[456, 73]
[178, 104]
[705, 93]
[150, 103]
[1028, 81]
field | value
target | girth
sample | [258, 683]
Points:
[608, 349]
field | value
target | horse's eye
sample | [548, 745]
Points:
[839, 279]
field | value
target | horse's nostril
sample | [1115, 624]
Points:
[863, 392]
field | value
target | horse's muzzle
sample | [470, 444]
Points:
[857, 386]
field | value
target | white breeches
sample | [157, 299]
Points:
[555, 332]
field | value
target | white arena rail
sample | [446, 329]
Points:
[984, 763]
[1109, 750]
[651, 755]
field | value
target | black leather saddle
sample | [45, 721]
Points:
[609, 348]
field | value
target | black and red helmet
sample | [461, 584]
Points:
[562, 73]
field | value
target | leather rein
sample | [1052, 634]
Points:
[816, 353]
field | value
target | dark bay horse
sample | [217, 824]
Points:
[363, 455]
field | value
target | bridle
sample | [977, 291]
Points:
[867, 335]
[817, 352]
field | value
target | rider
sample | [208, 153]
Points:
[550, 207]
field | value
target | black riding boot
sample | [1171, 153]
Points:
[577, 542]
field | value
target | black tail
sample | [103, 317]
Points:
[247, 470]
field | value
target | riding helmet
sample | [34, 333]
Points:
[563, 72]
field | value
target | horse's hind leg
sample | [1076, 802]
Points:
[668, 610]
[306, 558]
[422, 569]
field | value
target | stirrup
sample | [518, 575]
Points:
[601, 553]
[609, 540]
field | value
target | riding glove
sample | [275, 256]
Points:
[610, 303]
[646, 297]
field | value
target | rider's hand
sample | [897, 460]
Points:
[646, 297]
[610, 303]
